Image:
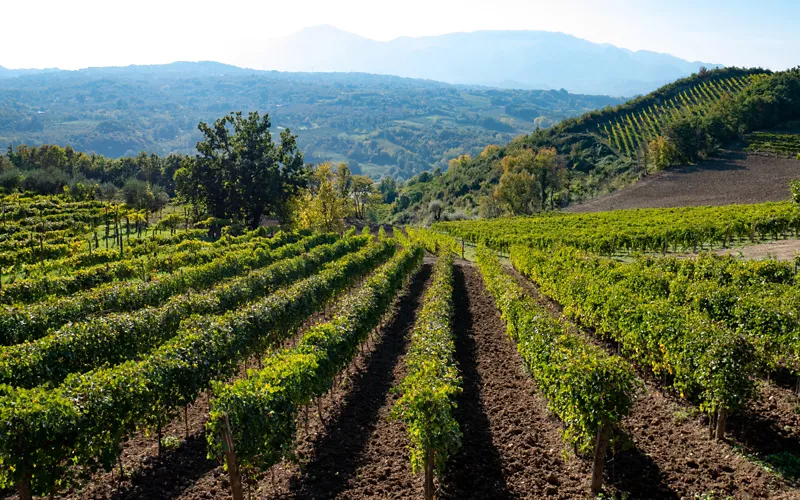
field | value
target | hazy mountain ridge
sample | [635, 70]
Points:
[507, 59]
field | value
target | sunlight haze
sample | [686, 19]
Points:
[84, 33]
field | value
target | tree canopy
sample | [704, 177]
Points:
[239, 173]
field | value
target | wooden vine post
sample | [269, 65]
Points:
[230, 459]
[429, 474]
[600, 447]
[722, 418]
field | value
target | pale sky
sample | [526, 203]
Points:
[72, 34]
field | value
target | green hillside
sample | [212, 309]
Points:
[380, 125]
[603, 150]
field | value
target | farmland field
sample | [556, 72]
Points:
[578, 353]
[732, 177]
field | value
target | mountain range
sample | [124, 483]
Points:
[504, 59]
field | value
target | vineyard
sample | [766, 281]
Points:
[572, 355]
[628, 133]
[780, 144]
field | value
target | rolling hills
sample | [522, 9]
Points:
[378, 124]
[682, 123]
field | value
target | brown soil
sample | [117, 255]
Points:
[732, 177]
[512, 445]
[671, 454]
[781, 250]
[362, 453]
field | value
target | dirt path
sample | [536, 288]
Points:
[512, 446]
[363, 453]
[672, 456]
[781, 250]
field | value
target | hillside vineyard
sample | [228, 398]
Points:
[158, 362]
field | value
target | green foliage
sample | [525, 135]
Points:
[639, 230]
[585, 387]
[263, 408]
[697, 356]
[325, 204]
[114, 338]
[43, 433]
[239, 173]
[429, 390]
[434, 242]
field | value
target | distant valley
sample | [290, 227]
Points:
[380, 125]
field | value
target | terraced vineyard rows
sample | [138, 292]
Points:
[781, 144]
[631, 132]
[303, 365]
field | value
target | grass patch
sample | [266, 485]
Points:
[784, 464]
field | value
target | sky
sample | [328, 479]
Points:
[81, 33]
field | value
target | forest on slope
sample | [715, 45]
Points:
[379, 125]
[601, 151]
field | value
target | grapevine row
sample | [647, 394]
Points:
[700, 358]
[29, 322]
[45, 433]
[429, 390]
[589, 390]
[261, 410]
[112, 339]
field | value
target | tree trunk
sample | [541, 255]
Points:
[429, 492]
[230, 459]
[24, 487]
[722, 418]
[600, 446]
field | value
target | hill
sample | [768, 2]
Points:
[682, 123]
[506, 59]
[378, 124]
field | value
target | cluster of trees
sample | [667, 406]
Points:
[144, 182]
[334, 195]
[240, 175]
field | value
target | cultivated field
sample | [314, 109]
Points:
[733, 177]
[304, 365]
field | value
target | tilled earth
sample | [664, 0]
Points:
[731, 177]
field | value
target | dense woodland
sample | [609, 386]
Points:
[377, 124]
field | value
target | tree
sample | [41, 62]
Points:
[436, 208]
[388, 189]
[489, 208]
[540, 167]
[239, 173]
[137, 194]
[362, 189]
[321, 206]
[344, 180]
[517, 191]
[662, 153]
